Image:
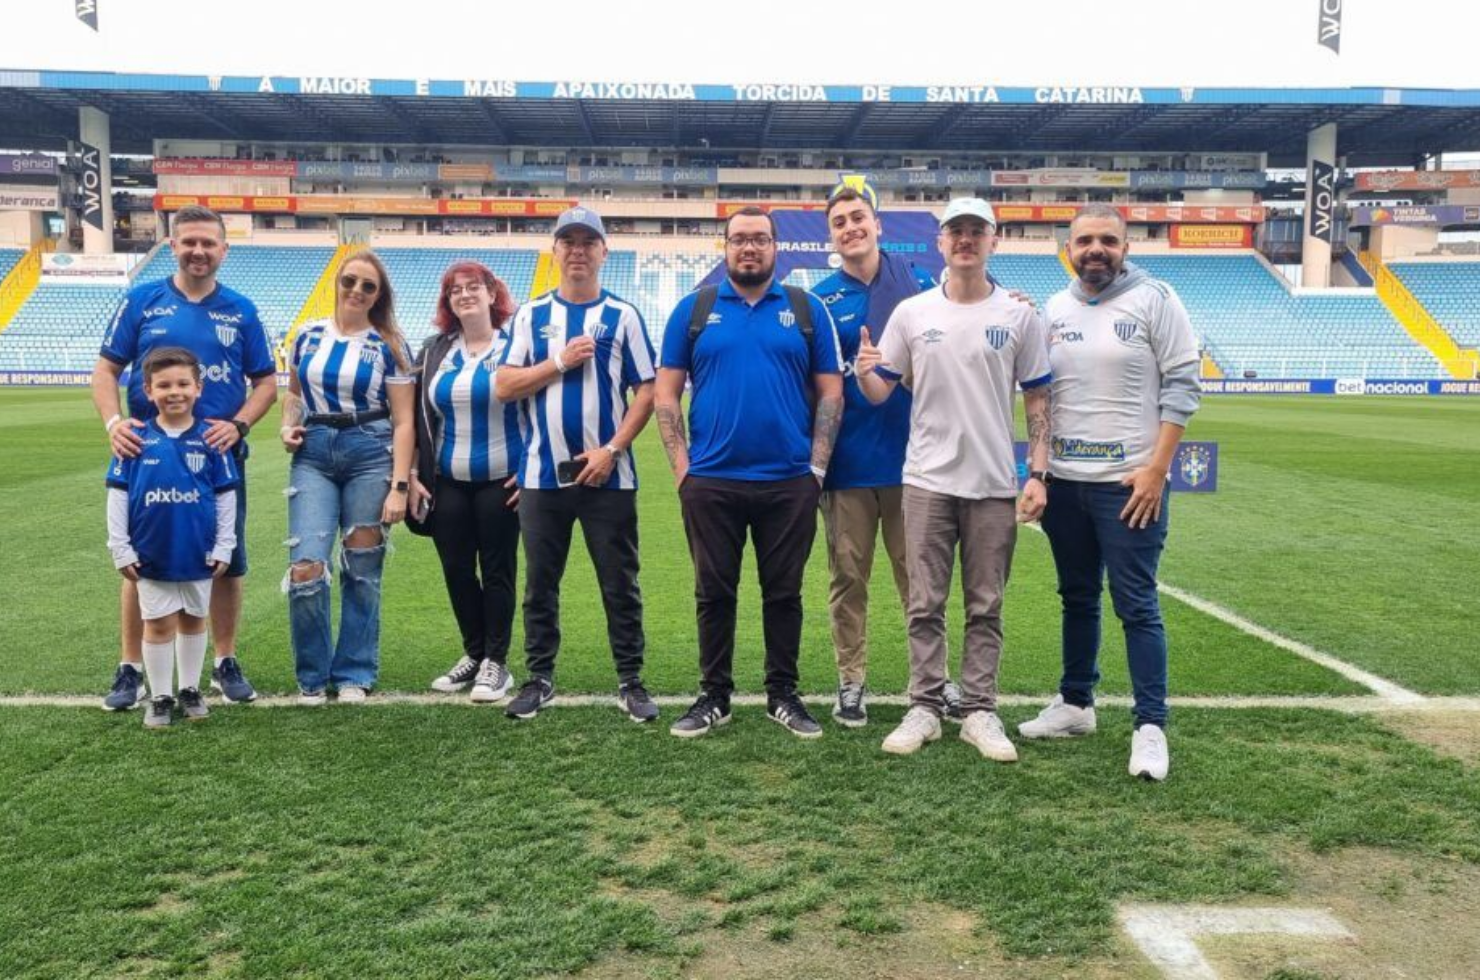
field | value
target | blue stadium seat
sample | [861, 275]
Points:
[1450, 291]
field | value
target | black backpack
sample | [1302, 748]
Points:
[704, 305]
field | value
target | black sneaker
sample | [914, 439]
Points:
[850, 711]
[634, 699]
[705, 714]
[160, 713]
[788, 711]
[192, 705]
[228, 679]
[951, 694]
[128, 689]
[534, 695]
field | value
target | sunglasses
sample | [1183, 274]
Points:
[367, 286]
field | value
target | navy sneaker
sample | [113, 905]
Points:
[634, 699]
[534, 695]
[228, 679]
[128, 689]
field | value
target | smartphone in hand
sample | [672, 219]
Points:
[568, 471]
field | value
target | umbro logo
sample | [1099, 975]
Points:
[713, 319]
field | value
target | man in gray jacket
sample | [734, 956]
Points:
[1125, 382]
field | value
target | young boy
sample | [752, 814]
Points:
[171, 528]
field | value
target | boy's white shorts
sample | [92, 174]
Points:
[158, 599]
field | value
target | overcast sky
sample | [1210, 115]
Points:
[1149, 43]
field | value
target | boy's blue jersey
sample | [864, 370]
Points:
[222, 330]
[172, 486]
[871, 443]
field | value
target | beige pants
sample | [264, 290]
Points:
[986, 530]
[852, 519]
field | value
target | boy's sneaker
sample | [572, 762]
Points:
[160, 712]
[228, 679]
[634, 699]
[850, 711]
[192, 705]
[951, 694]
[353, 694]
[492, 684]
[704, 715]
[918, 727]
[128, 689]
[1150, 757]
[312, 699]
[1059, 720]
[983, 729]
[788, 711]
[460, 676]
[534, 695]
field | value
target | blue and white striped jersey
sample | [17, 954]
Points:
[582, 409]
[344, 374]
[478, 438]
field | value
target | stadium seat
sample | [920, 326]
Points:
[1450, 291]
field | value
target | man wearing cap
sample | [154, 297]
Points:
[573, 355]
[1125, 364]
[862, 492]
[961, 348]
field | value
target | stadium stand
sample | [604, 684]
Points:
[1450, 291]
[8, 258]
[417, 272]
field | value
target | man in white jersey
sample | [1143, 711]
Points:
[961, 348]
[573, 355]
[1125, 382]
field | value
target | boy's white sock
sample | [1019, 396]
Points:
[190, 650]
[227, 656]
[159, 667]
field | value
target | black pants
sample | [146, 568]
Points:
[609, 525]
[781, 517]
[476, 527]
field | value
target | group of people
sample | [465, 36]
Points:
[881, 398]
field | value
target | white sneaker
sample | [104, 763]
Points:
[459, 677]
[1059, 720]
[984, 730]
[493, 683]
[313, 699]
[1150, 758]
[351, 694]
[918, 727]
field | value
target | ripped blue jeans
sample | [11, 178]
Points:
[336, 488]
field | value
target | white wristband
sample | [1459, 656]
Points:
[819, 472]
[108, 425]
[559, 362]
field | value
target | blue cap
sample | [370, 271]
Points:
[580, 217]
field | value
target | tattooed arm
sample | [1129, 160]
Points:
[294, 414]
[667, 406]
[1034, 498]
[826, 420]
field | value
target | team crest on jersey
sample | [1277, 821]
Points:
[225, 334]
[369, 355]
[998, 337]
[547, 331]
[1195, 465]
[788, 319]
[933, 336]
[196, 461]
[1125, 330]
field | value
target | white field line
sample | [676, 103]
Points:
[1385, 689]
[1167, 934]
[1356, 705]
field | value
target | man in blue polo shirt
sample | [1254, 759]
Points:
[765, 409]
[221, 328]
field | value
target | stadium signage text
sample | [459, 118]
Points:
[779, 93]
[1328, 27]
[1322, 200]
[334, 86]
[625, 90]
[92, 183]
[1417, 180]
[961, 93]
[488, 89]
[16, 198]
[1435, 215]
[1341, 386]
[27, 165]
[1095, 96]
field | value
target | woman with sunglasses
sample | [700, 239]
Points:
[348, 420]
[463, 486]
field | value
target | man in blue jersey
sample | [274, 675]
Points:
[221, 328]
[766, 403]
[863, 489]
[573, 355]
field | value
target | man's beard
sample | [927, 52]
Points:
[759, 277]
[1099, 276]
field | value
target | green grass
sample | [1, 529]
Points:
[416, 842]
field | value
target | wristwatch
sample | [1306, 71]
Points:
[242, 427]
[1042, 476]
[611, 447]
[401, 486]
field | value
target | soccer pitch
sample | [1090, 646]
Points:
[438, 840]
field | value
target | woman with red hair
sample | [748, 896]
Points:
[463, 491]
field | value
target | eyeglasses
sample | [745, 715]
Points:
[472, 287]
[752, 241]
[367, 286]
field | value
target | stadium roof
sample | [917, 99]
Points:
[1377, 126]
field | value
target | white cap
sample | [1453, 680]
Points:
[968, 207]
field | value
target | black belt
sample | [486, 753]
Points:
[344, 420]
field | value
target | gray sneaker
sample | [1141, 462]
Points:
[492, 683]
[534, 695]
[850, 711]
[192, 705]
[636, 703]
[458, 677]
[160, 712]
